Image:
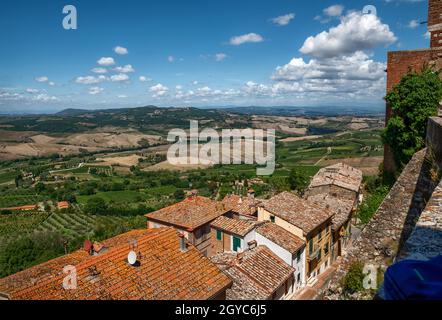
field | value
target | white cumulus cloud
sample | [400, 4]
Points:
[159, 90]
[284, 19]
[42, 79]
[99, 70]
[125, 69]
[119, 77]
[356, 32]
[106, 61]
[334, 11]
[121, 50]
[246, 38]
[95, 90]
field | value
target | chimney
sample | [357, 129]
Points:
[183, 244]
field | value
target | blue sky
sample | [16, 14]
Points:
[201, 53]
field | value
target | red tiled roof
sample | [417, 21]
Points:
[256, 276]
[63, 205]
[235, 226]
[301, 213]
[341, 175]
[281, 237]
[242, 205]
[190, 213]
[164, 272]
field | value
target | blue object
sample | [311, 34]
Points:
[414, 280]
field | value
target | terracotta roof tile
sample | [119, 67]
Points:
[341, 175]
[235, 226]
[246, 206]
[163, 273]
[281, 237]
[342, 208]
[190, 213]
[301, 213]
[256, 276]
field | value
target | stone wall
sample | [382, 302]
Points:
[383, 237]
[408, 224]
[434, 138]
[426, 240]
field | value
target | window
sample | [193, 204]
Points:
[272, 219]
[299, 278]
[219, 235]
[319, 255]
[311, 246]
[320, 235]
[298, 257]
[236, 244]
[326, 249]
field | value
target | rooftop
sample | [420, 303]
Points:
[245, 206]
[191, 213]
[340, 175]
[256, 274]
[281, 237]
[342, 208]
[235, 226]
[163, 272]
[301, 213]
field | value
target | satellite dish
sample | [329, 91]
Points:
[132, 258]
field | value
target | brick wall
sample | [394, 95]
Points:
[435, 22]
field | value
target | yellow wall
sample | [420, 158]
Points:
[264, 215]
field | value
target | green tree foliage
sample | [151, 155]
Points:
[179, 194]
[96, 206]
[298, 181]
[353, 280]
[30, 250]
[413, 101]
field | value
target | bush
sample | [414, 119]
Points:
[371, 204]
[353, 280]
[413, 101]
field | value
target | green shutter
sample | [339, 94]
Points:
[236, 244]
[219, 235]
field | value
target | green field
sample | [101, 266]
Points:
[125, 196]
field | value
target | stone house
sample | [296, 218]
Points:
[242, 207]
[239, 236]
[233, 235]
[337, 188]
[307, 221]
[339, 180]
[192, 218]
[257, 274]
[287, 246]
